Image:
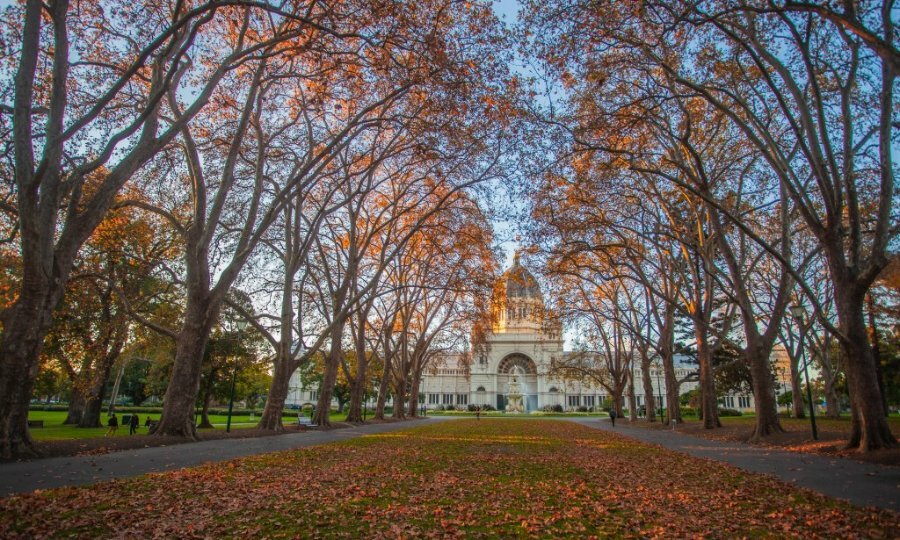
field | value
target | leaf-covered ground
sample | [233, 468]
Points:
[797, 436]
[467, 478]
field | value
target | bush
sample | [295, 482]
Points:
[552, 408]
[581, 408]
[688, 411]
[730, 412]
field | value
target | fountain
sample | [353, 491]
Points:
[514, 395]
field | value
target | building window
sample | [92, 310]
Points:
[640, 401]
[462, 399]
[574, 401]
[588, 401]
[313, 395]
[480, 389]
[744, 402]
[729, 402]
[447, 399]
[553, 390]
[433, 399]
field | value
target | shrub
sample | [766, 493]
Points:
[730, 412]
[688, 411]
[581, 408]
[552, 408]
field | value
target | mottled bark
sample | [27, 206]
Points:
[326, 388]
[647, 381]
[76, 407]
[763, 386]
[278, 392]
[709, 407]
[870, 430]
[797, 408]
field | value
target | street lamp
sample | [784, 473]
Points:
[240, 325]
[799, 313]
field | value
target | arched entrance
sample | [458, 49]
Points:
[527, 370]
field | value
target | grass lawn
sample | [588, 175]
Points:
[54, 430]
[488, 478]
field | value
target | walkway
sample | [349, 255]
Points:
[860, 483]
[22, 477]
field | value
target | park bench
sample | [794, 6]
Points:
[36, 423]
[305, 422]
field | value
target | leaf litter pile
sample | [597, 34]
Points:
[463, 478]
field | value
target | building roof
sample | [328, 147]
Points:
[519, 282]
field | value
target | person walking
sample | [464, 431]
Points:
[612, 416]
[112, 424]
[133, 425]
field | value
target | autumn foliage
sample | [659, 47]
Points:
[461, 478]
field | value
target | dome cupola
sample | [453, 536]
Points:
[519, 281]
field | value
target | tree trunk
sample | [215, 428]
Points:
[647, 381]
[414, 395]
[400, 398]
[358, 384]
[832, 400]
[93, 406]
[709, 408]
[870, 427]
[797, 409]
[632, 401]
[673, 402]
[76, 407]
[278, 392]
[179, 403]
[207, 397]
[876, 351]
[383, 388]
[326, 389]
[766, 407]
[25, 325]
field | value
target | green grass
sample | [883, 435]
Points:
[54, 430]
[488, 478]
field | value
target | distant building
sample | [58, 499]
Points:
[524, 345]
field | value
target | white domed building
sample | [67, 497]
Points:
[521, 344]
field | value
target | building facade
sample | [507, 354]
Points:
[522, 344]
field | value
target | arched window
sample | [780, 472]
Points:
[517, 359]
[480, 389]
[553, 390]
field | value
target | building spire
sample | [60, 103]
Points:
[517, 252]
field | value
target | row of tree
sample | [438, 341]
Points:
[718, 163]
[310, 168]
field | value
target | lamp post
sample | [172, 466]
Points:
[240, 325]
[799, 313]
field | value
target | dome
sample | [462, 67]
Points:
[519, 282]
